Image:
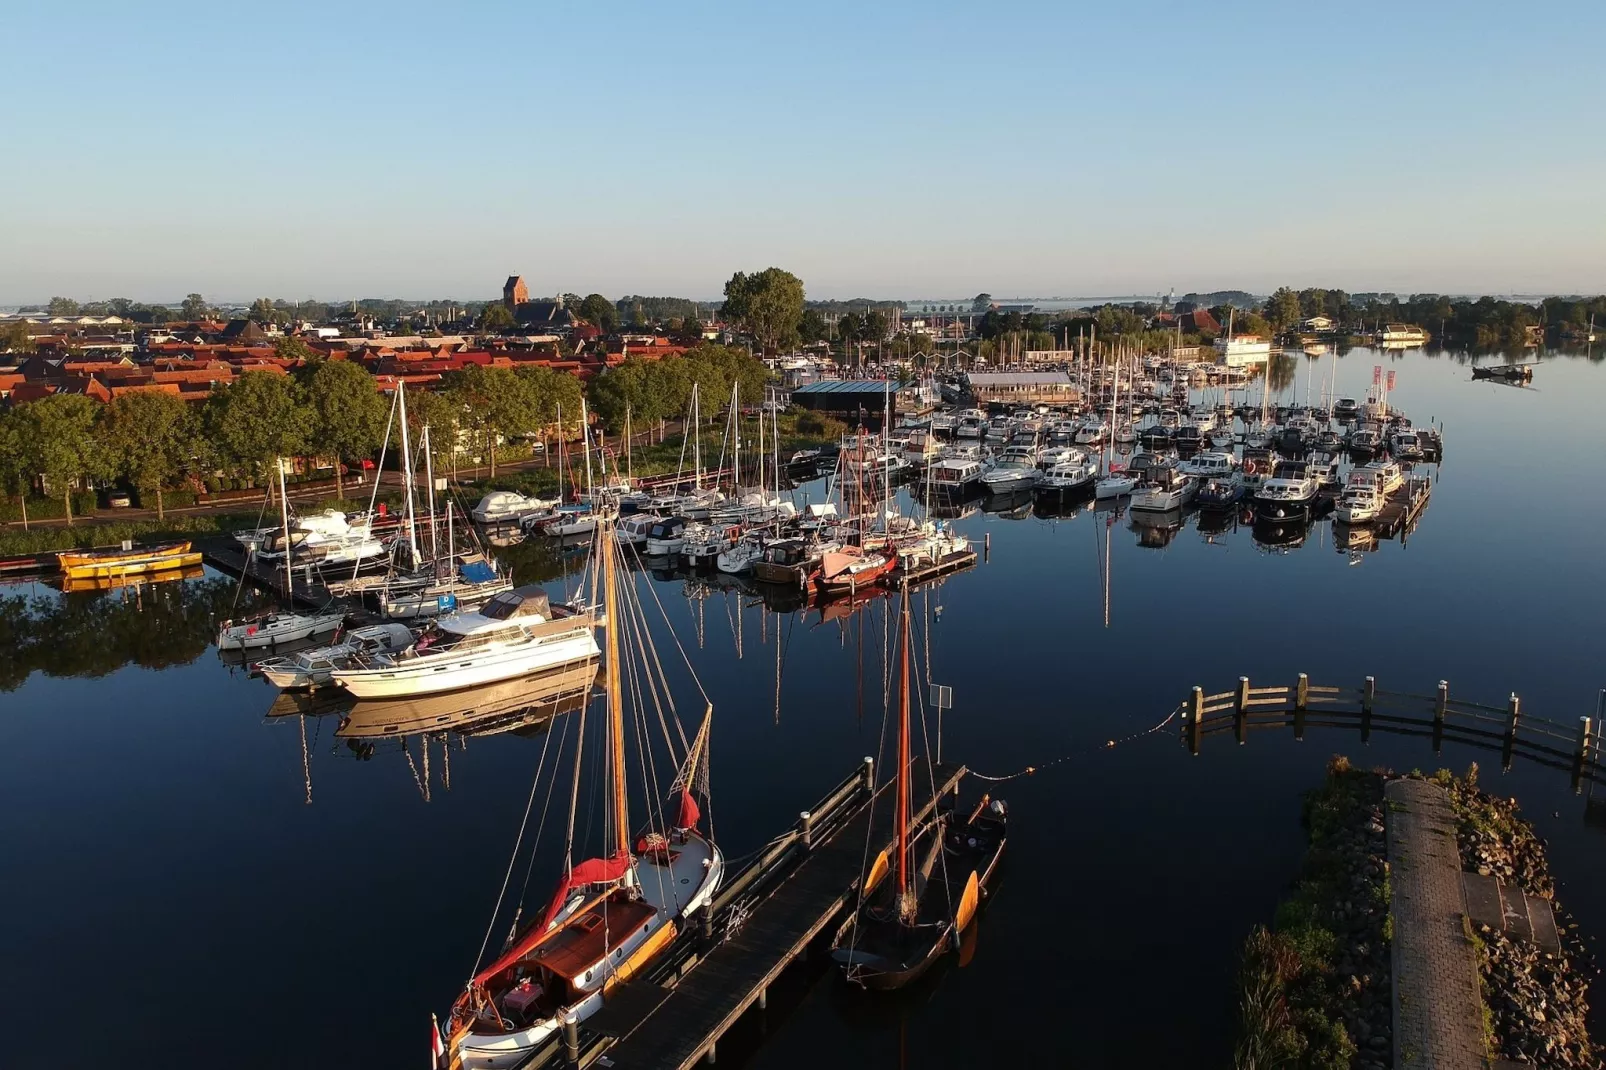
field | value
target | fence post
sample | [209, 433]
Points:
[1585, 742]
[1368, 696]
[1513, 718]
[1240, 711]
[1194, 711]
[1440, 703]
[1301, 703]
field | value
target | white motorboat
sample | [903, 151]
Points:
[1007, 476]
[972, 423]
[1049, 456]
[741, 557]
[954, 475]
[703, 543]
[1164, 489]
[1285, 496]
[632, 530]
[666, 537]
[1115, 485]
[1093, 432]
[514, 634]
[275, 629]
[312, 668]
[1365, 440]
[1386, 476]
[1359, 504]
[503, 506]
[1208, 465]
[1404, 445]
[1068, 477]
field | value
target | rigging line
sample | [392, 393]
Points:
[660, 681]
[931, 776]
[651, 589]
[546, 807]
[864, 863]
[512, 858]
[1108, 745]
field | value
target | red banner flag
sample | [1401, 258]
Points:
[1391, 378]
[1377, 374]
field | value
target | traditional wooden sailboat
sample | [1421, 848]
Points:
[940, 875]
[610, 915]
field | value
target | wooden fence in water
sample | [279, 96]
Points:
[1574, 748]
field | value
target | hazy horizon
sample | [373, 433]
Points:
[900, 148]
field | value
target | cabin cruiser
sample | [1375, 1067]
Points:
[325, 539]
[1067, 477]
[740, 558]
[1164, 488]
[1359, 504]
[1208, 465]
[1188, 437]
[666, 537]
[791, 561]
[517, 633]
[971, 424]
[1094, 432]
[313, 668]
[276, 628]
[632, 530]
[1049, 456]
[954, 475]
[1008, 476]
[1155, 436]
[703, 543]
[502, 506]
[1220, 492]
[1386, 476]
[1346, 409]
[1290, 493]
[1404, 445]
[1365, 441]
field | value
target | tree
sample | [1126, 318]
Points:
[875, 325]
[264, 311]
[194, 308]
[150, 314]
[494, 402]
[259, 418]
[16, 468]
[439, 413]
[811, 327]
[495, 318]
[149, 439]
[348, 414]
[981, 303]
[768, 306]
[14, 338]
[599, 310]
[63, 443]
[291, 347]
[1282, 308]
[62, 306]
[850, 327]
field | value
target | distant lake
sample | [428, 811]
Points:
[191, 882]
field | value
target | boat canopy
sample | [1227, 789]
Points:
[480, 572]
[529, 601]
[591, 871]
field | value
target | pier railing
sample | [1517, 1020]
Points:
[1571, 747]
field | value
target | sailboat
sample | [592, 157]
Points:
[939, 877]
[611, 915]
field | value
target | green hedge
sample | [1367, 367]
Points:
[14, 542]
[83, 502]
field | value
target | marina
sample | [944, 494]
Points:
[1056, 626]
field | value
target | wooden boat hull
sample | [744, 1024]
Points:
[85, 565]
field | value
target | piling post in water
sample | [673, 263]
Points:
[571, 1039]
[1194, 711]
[1301, 704]
[805, 825]
[1586, 741]
[986, 547]
[1368, 697]
[869, 773]
[1513, 718]
[764, 999]
[1240, 711]
[1440, 704]
[708, 1056]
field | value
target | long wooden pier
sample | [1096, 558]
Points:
[764, 920]
[1403, 508]
[1573, 748]
[226, 555]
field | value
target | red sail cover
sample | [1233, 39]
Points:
[687, 818]
[591, 871]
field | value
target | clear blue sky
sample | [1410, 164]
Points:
[931, 149]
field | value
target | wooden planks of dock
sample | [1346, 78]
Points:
[672, 1027]
[228, 556]
[1403, 508]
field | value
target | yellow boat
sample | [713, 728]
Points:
[106, 564]
[75, 584]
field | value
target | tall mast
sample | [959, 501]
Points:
[284, 510]
[407, 465]
[697, 436]
[562, 494]
[630, 467]
[616, 709]
[903, 753]
[429, 476]
[585, 444]
[736, 427]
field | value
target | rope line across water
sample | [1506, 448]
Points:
[1110, 744]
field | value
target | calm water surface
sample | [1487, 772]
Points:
[190, 882]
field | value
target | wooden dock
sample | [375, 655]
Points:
[226, 555]
[900, 578]
[1403, 507]
[766, 919]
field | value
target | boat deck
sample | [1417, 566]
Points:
[660, 1025]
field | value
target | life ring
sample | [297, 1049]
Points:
[1251, 466]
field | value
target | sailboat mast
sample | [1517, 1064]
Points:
[697, 436]
[585, 444]
[736, 427]
[616, 709]
[407, 466]
[429, 476]
[284, 510]
[903, 751]
[630, 465]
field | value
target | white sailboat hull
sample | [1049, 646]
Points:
[426, 675]
[291, 629]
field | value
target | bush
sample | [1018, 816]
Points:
[84, 502]
[16, 542]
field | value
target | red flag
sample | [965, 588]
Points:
[436, 1048]
[1377, 374]
[1391, 378]
[367, 464]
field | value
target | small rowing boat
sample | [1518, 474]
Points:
[126, 561]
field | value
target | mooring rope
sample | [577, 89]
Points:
[1109, 744]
